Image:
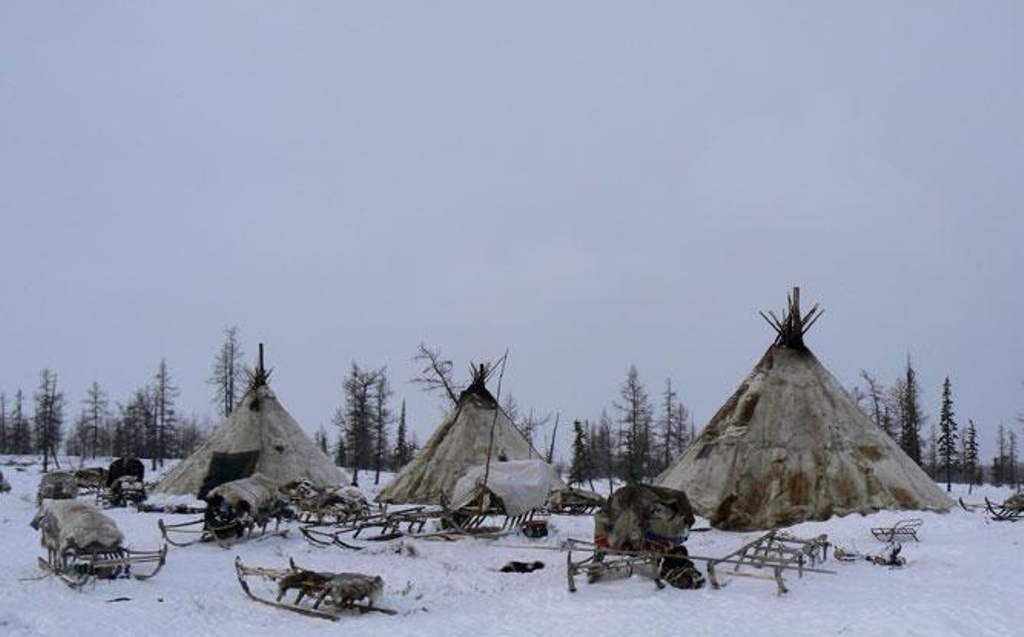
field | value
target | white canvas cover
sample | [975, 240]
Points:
[73, 524]
[463, 439]
[259, 424]
[522, 485]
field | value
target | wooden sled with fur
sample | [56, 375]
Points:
[328, 505]
[83, 545]
[1009, 511]
[319, 594]
[674, 566]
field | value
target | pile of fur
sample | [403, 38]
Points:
[74, 525]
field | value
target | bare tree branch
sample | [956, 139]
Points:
[436, 374]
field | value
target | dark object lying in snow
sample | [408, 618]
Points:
[522, 567]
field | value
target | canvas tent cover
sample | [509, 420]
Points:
[462, 440]
[259, 435]
[522, 485]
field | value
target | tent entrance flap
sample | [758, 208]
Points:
[228, 467]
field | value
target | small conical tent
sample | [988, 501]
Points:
[791, 445]
[258, 436]
[475, 432]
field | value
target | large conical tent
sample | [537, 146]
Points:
[791, 445]
[258, 436]
[475, 432]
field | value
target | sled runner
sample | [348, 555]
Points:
[319, 594]
[82, 544]
[971, 507]
[1009, 511]
[901, 531]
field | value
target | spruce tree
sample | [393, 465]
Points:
[21, 432]
[403, 450]
[948, 435]
[356, 420]
[969, 455]
[580, 469]
[909, 413]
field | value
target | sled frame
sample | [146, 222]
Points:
[201, 531]
[596, 562]
[1000, 513]
[77, 568]
[775, 551]
[332, 612]
[899, 532]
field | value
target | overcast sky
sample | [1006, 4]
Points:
[588, 185]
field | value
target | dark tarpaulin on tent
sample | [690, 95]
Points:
[227, 467]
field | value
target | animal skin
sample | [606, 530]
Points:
[521, 567]
[637, 515]
[348, 589]
[343, 590]
[308, 583]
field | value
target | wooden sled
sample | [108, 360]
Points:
[674, 567]
[84, 544]
[572, 501]
[320, 594]
[776, 552]
[1003, 513]
[382, 527]
[901, 531]
[76, 568]
[183, 534]
[327, 505]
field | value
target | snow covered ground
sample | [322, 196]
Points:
[963, 578]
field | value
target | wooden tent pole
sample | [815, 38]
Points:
[494, 420]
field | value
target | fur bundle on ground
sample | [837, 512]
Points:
[521, 567]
